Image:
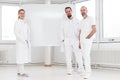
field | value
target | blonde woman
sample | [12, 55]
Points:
[23, 47]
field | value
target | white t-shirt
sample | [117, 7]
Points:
[70, 29]
[86, 27]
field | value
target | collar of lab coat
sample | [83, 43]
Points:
[70, 19]
[20, 20]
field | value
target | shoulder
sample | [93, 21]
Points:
[63, 21]
[26, 21]
[16, 22]
[76, 21]
[90, 18]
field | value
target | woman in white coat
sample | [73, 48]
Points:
[23, 47]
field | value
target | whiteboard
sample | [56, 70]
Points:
[45, 21]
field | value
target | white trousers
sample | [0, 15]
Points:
[21, 68]
[85, 50]
[69, 49]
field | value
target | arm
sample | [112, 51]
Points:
[79, 39]
[28, 30]
[79, 35]
[17, 34]
[62, 33]
[79, 32]
[92, 32]
[29, 33]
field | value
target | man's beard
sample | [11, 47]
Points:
[69, 16]
[83, 14]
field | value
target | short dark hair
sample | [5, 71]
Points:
[20, 10]
[68, 8]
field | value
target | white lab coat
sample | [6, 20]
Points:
[23, 49]
[69, 33]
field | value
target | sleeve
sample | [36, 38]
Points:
[78, 26]
[92, 21]
[62, 31]
[29, 38]
[17, 34]
[27, 23]
[28, 30]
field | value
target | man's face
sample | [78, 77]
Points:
[68, 13]
[83, 11]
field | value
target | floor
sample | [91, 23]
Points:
[55, 73]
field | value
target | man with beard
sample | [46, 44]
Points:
[70, 38]
[88, 30]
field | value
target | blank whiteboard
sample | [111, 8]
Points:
[45, 21]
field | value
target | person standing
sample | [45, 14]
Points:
[70, 32]
[23, 46]
[88, 30]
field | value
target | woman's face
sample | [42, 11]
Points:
[21, 15]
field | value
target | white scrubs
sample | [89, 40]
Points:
[23, 47]
[86, 28]
[70, 31]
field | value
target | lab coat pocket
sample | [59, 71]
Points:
[88, 40]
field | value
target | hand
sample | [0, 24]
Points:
[79, 46]
[62, 40]
[87, 37]
[26, 41]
